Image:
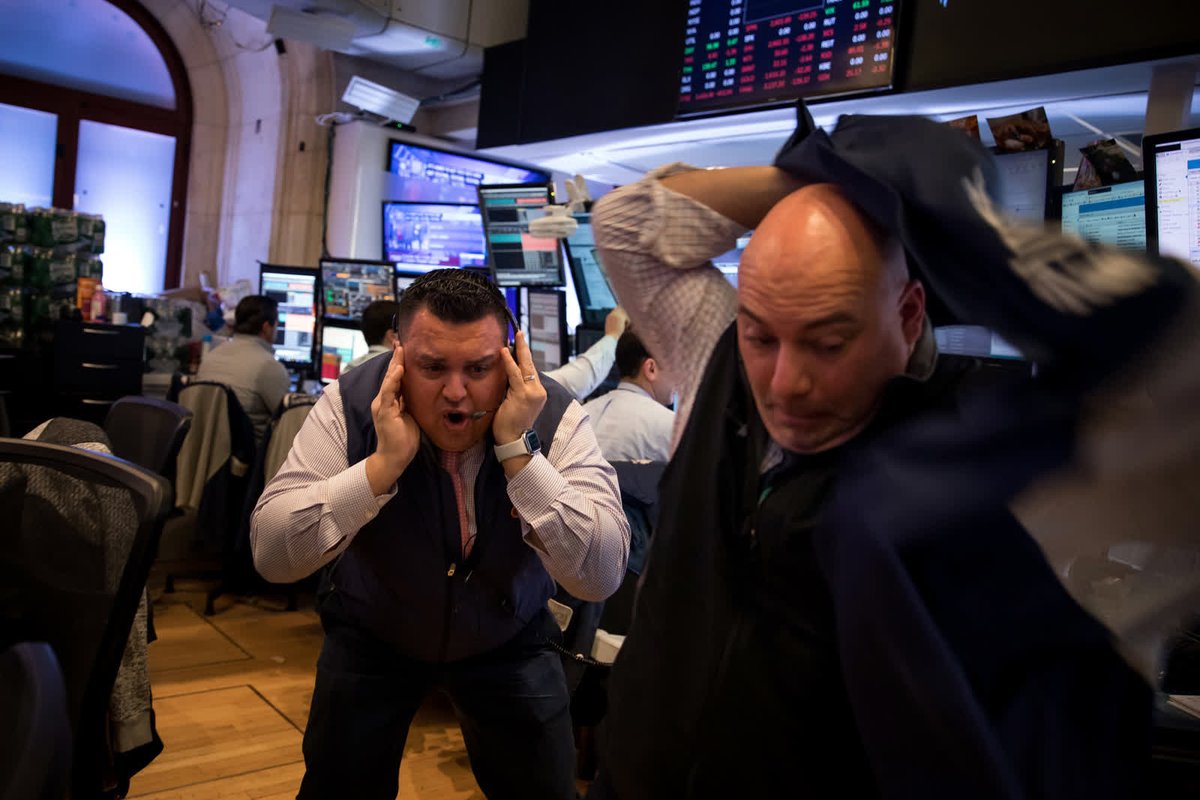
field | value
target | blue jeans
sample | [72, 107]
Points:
[512, 704]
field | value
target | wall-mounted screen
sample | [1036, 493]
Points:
[349, 286]
[1173, 194]
[1113, 215]
[438, 176]
[295, 291]
[515, 257]
[758, 52]
[424, 236]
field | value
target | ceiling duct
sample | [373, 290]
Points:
[436, 38]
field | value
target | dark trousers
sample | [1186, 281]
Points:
[512, 704]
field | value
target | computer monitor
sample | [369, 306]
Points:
[514, 257]
[1113, 215]
[295, 290]
[339, 346]
[729, 262]
[1027, 180]
[547, 328]
[348, 286]
[404, 279]
[973, 340]
[419, 237]
[596, 296]
[1173, 194]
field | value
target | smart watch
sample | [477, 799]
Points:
[527, 445]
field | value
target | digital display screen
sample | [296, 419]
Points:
[547, 328]
[348, 287]
[728, 262]
[515, 257]
[296, 294]
[1024, 184]
[430, 175]
[1175, 181]
[756, 52]
[596, 297]
[425, 236]
[340, 346]
[1113, 215]
[973, 340]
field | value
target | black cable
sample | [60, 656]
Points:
[325, 201]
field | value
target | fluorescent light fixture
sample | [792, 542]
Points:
[362, 93]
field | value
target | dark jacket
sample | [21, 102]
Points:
[404, 578]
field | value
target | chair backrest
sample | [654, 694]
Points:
[80, 533]
[35, 741]
[220, 431]
[283, 430]
[148, 431]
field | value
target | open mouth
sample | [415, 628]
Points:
[457, 419]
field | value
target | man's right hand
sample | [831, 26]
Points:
[397, 432]
[616, 322]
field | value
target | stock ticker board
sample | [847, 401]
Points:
[759, 52]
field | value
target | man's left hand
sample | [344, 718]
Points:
[525, 397]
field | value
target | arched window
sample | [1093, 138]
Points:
[96, 116]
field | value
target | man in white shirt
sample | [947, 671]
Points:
[451, 488]
[246, 363]
[377, 321]
[583, 374]
[633, 421]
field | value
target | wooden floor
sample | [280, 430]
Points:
[231, 695]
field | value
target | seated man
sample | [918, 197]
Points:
[246, 363]
[633, 421]
[377, 320]
[451, 486]
[584, 373]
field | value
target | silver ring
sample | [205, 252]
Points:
[530, 377]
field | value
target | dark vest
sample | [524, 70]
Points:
[729, 683]
[404, 579]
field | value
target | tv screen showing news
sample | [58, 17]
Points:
[1173, 193]
[1113, 215]
[424, 236]
[515, 257]
[432, 175]
[596, 297]
[295, 290]
[1024, 183]
[760, 52]
[349, 286]
[339, 346]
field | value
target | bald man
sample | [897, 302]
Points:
[729, 683]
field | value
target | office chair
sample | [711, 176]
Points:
[148, 431]
[272, 452]
[35, 742]
[80, 533]
[211, 476]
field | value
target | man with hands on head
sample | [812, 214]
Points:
[450, 486]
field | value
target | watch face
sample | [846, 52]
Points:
[532, 442]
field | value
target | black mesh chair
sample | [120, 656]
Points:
[80, 533]
[35, 741]
[148, 432]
